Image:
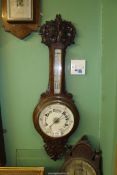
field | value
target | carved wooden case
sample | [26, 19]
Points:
[57, 34]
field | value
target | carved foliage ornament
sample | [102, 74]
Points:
[58, 30]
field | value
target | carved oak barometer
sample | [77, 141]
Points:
[56, 116]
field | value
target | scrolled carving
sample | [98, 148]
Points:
[56, 149]
[58, 31]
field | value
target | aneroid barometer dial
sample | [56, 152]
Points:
[56, 120]
[56, 116]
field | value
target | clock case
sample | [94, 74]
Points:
[56, 34]
[84, 151]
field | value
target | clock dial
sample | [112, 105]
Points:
[57, 71]
[56, 120]
[77, 166]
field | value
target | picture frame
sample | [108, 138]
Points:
[20, 10]
[21, 21]
[21, 170]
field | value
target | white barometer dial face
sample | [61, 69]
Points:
[56, 120]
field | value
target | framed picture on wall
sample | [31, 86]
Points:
[20, 10]
[21, 17]
[21, 170]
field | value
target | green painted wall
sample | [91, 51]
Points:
[23, 62]
[108, 127]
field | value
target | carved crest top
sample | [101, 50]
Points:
[58, 31]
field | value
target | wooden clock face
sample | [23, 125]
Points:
[56, 116]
